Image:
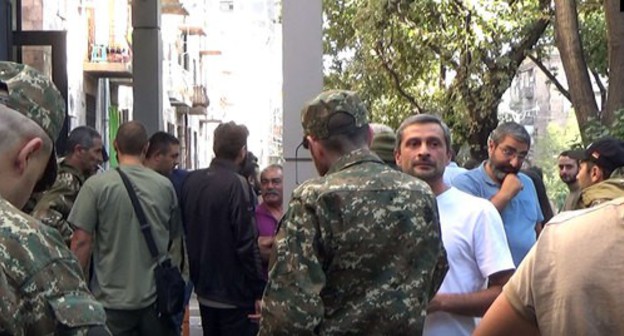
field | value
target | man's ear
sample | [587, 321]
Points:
[491, 146]
[397, 156]
[77, 148]
[596, 174]
[144, 150]
[29, 150]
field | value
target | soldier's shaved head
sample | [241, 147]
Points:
[15, 127]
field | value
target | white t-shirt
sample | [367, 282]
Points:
[476, 247]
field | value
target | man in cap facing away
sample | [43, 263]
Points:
[41, 285]
[600, 174]
[359, 249]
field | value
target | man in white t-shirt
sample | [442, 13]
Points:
[479, 259]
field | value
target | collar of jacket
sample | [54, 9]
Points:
[66, 168]
[225, 164]
[355, 157]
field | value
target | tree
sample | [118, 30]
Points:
[450, 57]
[590, 41]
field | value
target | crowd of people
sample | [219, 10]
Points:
[393, 237]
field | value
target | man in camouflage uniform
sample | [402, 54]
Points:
[359, 249]
[84, 157]
[41, 286]
[600, 177]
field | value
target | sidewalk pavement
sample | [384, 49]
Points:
[195, 328]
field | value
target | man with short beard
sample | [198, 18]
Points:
[568, 169]
[600, 172]
[472, 231]
[512, 193]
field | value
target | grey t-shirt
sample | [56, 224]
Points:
[123, 269]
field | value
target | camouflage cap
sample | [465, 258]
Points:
[31, 93]
[317, 113]
[26, 90]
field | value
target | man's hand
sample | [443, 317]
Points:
[256, 317]
[436, 304]
[265, 244]
[511, 185]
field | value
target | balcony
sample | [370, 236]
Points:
[200, 101]
[177, 84]
[189, 29]
[106, 62]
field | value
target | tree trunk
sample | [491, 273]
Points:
[571, 51]
[615, 39]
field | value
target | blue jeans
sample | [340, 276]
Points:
[179, 319]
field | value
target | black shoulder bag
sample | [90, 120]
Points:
[169, 283]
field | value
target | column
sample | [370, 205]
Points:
[147, 86]
[302, 45]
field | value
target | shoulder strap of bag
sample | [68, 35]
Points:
[138, 209]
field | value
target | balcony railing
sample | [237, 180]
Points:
[200, 97]
[178, 84]
[105, 61]
[200, 101]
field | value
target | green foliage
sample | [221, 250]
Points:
[593, 33]
[596, 129]
[562, 137]
[449, 57]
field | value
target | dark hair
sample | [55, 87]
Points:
[83, 136]
[250, 165]
[229, 138]
[346, 137]
[131, 138]
[535, 174]
[512, 129]
[566, 153]
[424, 119]
[569, 153]
[159, 143]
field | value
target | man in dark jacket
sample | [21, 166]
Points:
[223, 253]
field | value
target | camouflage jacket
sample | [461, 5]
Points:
[604, 191]
[358, 252]
[41, 286]
[54, 206]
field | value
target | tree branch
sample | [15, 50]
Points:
[603, 91]
[395, 77]
[550, 76]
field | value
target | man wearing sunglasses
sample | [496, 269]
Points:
[358, 250]
[499, 179]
